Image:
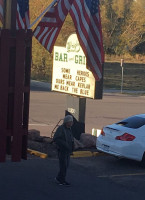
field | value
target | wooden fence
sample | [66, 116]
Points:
[15, 67]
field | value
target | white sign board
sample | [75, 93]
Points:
[69, 70]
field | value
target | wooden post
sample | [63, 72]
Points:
[10, 15]
[15, 67]
[4, 70]
[7, 14]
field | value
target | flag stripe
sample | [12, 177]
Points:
[1, 11]
[88, 27]
[63, 8]
[48, 29]
[27, 19]
[19, 21]
[45, 36]
[93, 26]
[49, 19]
[51, 41]
[37, 32]
[61, 11]
[93, 40]
[23, 18]
[45, 31]
[85, 27]
[84, 43]
[101, 39]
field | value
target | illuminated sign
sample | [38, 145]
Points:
[70, 74]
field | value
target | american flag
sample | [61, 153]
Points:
[86, 17]
[1, 10]
[22, 19]
[49, 27]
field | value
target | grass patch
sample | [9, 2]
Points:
[134, 76]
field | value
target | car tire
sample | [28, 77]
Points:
[143, 161]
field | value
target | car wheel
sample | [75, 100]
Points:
[143, 160]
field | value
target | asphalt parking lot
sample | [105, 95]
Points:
[47, 108]
[102, 177]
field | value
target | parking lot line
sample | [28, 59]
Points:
[41, 124]
[120, 175]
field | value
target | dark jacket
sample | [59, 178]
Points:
[64, 139]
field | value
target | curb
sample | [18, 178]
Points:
[76, 154]
[37, 153]
[79, 154]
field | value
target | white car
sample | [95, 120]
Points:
[125, 138]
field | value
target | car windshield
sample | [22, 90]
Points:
[132, 122]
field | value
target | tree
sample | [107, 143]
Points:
[134, 28]
[123, 23]
[115, 14]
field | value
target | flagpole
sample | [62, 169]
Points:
[10, 15]
[53, 3]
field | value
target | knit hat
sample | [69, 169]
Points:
[68, 118]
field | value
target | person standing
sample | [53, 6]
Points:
[64, 140]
